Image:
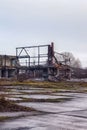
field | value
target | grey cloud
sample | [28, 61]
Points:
[61, 21]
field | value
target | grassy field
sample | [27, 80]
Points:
[63, 85]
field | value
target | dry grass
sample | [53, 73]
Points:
[48, 85]
[8, 106]
[44, 100]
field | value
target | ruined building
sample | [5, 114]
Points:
[7, 66]
[35, 62]
[42, 62]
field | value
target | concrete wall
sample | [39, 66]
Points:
[7, 61]
[7, 66]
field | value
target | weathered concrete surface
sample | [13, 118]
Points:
[70, 115]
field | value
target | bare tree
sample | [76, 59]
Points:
[77, 63]
[73, 62]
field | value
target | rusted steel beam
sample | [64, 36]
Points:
[31, 46]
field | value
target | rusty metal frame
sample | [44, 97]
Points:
[47, 55]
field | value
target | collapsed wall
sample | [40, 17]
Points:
[42, 64]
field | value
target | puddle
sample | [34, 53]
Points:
[75, 104]
[12, 114]
[44, 96]
[49, 107]
[68, 115]
[46, 122]
[75, 95]
[29, 91]
[13, 99]
[39, 96]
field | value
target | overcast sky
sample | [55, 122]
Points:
[35, 22]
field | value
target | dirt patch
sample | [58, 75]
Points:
[3, 118]
[8, 106]
[43, 100]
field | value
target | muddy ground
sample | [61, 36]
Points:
[43, 106]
